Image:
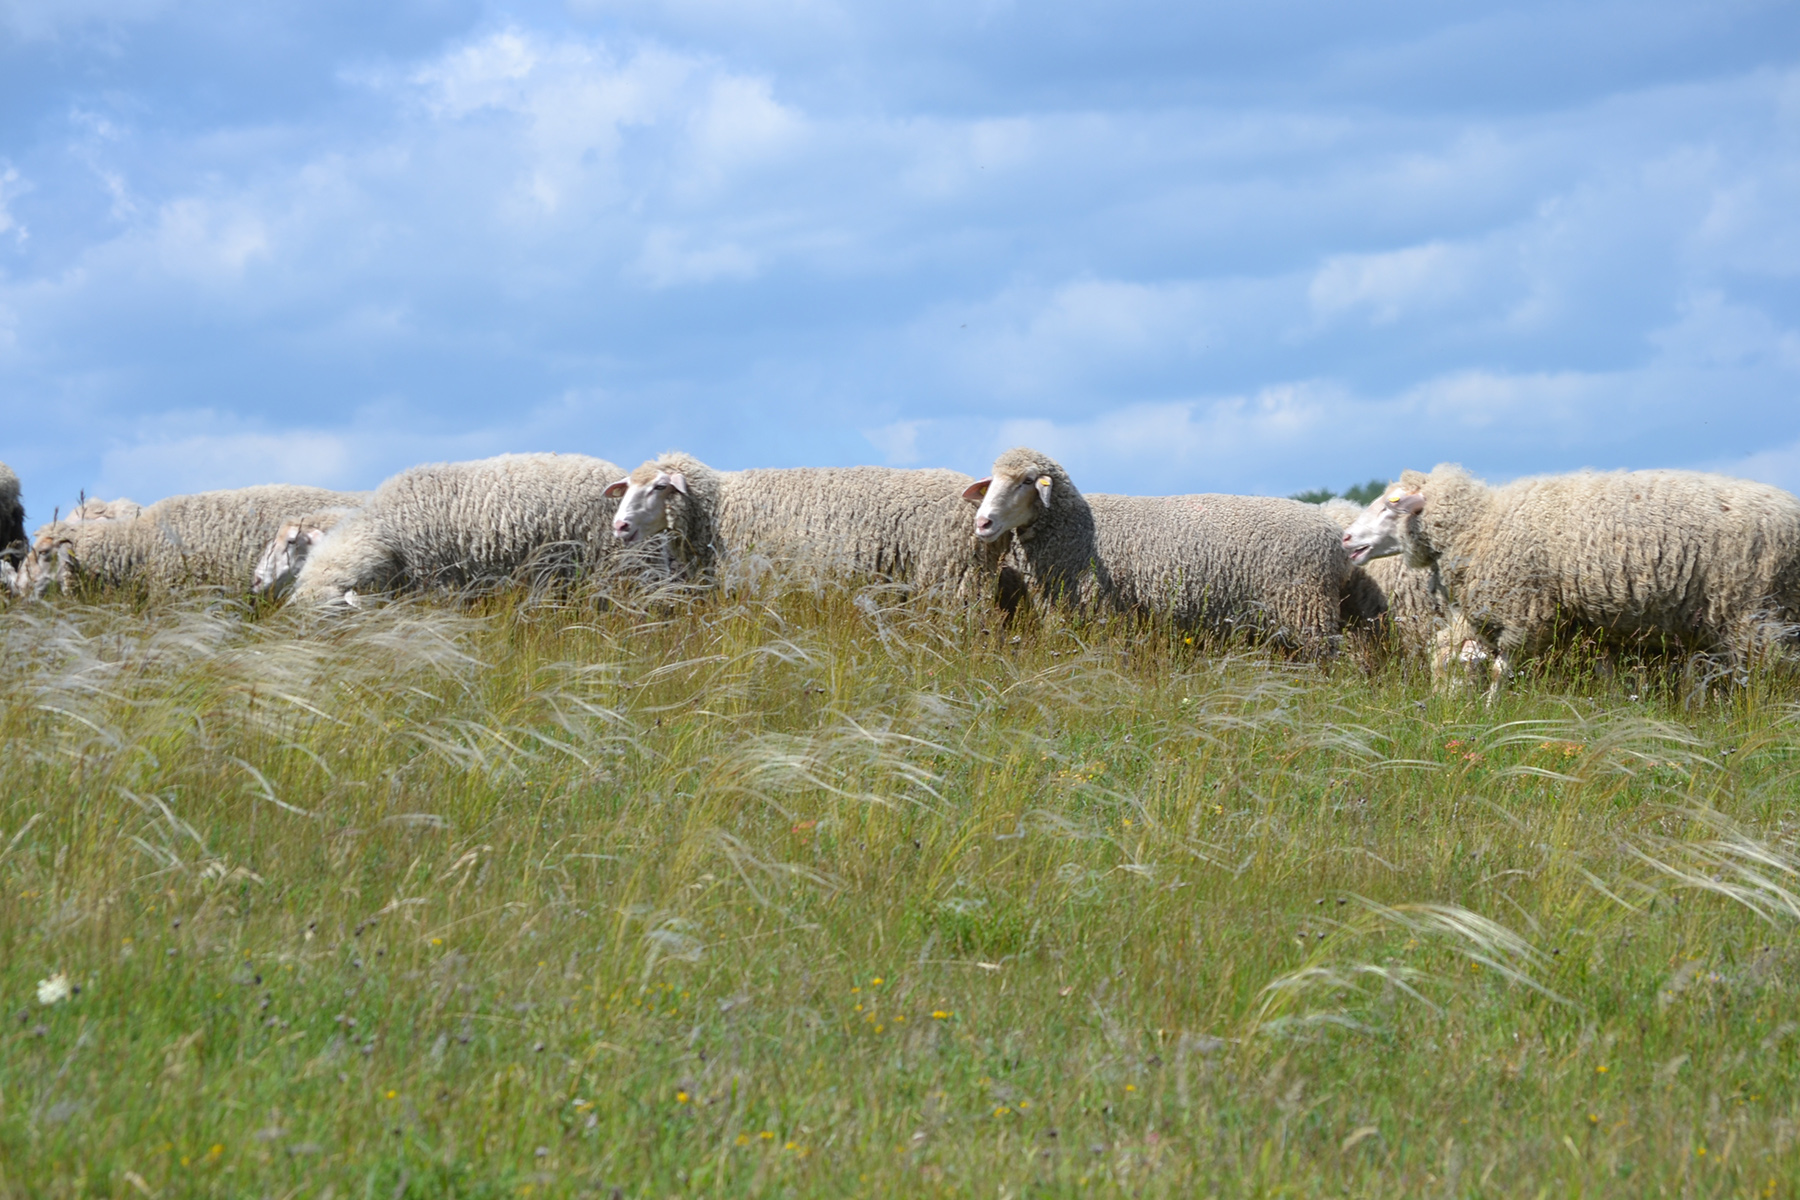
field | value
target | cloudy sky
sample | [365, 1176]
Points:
[1257, 246]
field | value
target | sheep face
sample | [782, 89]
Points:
[47, 560]
[283, 557]
[644, 502]
[1376, 533]
[1008, 502]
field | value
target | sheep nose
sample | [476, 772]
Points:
[621, 526]
[983, 524]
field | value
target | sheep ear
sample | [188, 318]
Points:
[1410, 503]
[1043, 489]
[314, 536]
[978, 489]
[678, 481]
[617, 489]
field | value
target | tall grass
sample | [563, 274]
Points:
[822, 891]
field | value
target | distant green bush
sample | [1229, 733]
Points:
[1361, 493]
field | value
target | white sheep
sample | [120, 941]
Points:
[1251, 563]
[463, 523]
[281, 560]
[209, 538]
[1707, 560]
[93, 509]
[880, 522]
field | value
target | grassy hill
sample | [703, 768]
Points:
[827, 893]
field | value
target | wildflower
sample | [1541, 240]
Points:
[54, 989]
[875, 982]
[858, 1008]
[938, 1014]
[879, 1028]
[1700, 1153]
[1218, 810]
[1601, 1069]
[1189, 641]
[437, 941]
[215, 1150]
[1127, 822]
[681, 1097]
[392, 1093]
[791, 1146]
[1131, 1087]
[1593, 1118]
[1454, 744]
[1002, 1111]
[900, 1020]
[766, 1136]
[743, 1139]
[854, 991]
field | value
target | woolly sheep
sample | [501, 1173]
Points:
[886, 522]
[1213, 561]
[1708, 560]
[461, 523]
[206, 538]
[286, 552]
[12, 517]
[1385, 586]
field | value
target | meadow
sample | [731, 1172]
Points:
[823, 891]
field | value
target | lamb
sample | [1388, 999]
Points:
[1709, 561]
[1276, 567]
[886, 522]
[209, 538]
[462, 523]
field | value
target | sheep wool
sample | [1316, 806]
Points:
[208, 538]
[880, 522]
[1275, 567]
[1710, 560]
[465, 523]
[12, 516]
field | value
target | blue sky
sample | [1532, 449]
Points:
[1250, 247]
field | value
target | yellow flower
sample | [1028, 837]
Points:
[791, 1146]
[858, 1008]
[854, 991]
[743, 1139]
[766, 1136]
[1127, 821]
[392, 1093]
[1600, 1070]
[681, 1097]
[875, 982]
[214, 1150]
[1131, 1087]
[939, 1015]
[437, 941]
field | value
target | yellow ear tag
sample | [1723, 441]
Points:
[1043, 481]
[1396, 495]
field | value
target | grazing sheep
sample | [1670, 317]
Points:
[12, 518]
[885, 522]
[286, 553]
[1220, 562]
[462, 523]
[206, 538]
[1386, 587]
[1710, 561]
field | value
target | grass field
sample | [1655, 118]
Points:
[828, 894]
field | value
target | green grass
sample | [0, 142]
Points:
[822, 893]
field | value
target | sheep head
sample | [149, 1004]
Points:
[283, 557]
[644, 497]
[1011, 498]
[1376, 533]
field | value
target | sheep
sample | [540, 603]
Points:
[205, 538]
[1385, 587]
[885, 522]
[1208, 561]
[12, 518]
[286, 553]
[462, 523]
[1706, 560]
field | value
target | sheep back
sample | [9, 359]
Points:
[1711, 560]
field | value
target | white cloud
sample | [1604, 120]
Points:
[11, 187]
[1388, 286]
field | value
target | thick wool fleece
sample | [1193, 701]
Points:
[1274, 567]
[456, 524]
[12, 515]
[868, 522]
[209, 538]
[1708, 559]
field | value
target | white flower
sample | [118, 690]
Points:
[54, 989]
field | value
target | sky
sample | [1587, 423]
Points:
[1244, 247]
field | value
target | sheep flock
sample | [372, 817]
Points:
[1472, 579]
